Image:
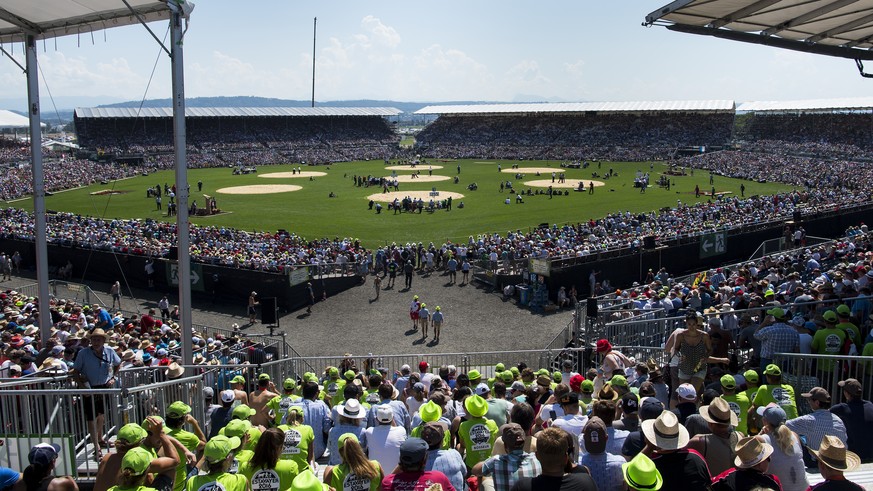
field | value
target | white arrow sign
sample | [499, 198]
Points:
[706, 245]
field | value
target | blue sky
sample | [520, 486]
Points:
[508, 50]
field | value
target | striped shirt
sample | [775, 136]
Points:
[605, 470]
[816, 425]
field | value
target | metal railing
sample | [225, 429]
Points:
[804, 371]
[32, 415]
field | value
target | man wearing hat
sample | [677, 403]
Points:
[844, 323]
[738, 401]
[176, 416]
[42, 459]
[281, 403]
[776, 335]
[833, 461]
[640, 474]
[96, 368]
[775, 391]
[680, 468]
[605, 467]
[506, 469]
[476, 435]
[857, 415]
[218, 455]
[717, 447]
[260, 397]
[630, 405]
[238, 385]
[412, 475]
[445, 460]
[820, 422]
[384, 439]
[752, 462]
[650, 408]
[828, 340]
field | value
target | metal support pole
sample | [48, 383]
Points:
[45, 318]
[178, 74]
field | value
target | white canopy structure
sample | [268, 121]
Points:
[841, 28]
[9, 119]
[809, 105]
[580, 107]
[233, 112]
[27, 21]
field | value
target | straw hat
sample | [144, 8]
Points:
[665, 432]
[751, 452]
[719, 412]
[833, 454]
[175, 371]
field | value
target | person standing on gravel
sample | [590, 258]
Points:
[437, 319]
[413, 312]
[377, 285]
[408, 269]
[465, 269]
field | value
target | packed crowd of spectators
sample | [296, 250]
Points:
[616, 137]
[830, 128]
[259, 140]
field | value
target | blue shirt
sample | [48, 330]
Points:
[333, 441]
[401, 414]
[97, 369]
[437, 316]
[8, 477]
[423, 314]
[316, 415]
[450, 463]
[605, 469]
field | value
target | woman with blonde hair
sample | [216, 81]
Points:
[786, 461]
[266, 466]
[355, 471]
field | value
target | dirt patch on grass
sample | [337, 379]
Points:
[260, 189]
[534, 170]
[425, 195]
[568, 184]
[106, 192]
[413, 167]
[286, 175]
[419, 178]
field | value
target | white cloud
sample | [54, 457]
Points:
[380, 33]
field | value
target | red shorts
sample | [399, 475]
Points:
[413, 315]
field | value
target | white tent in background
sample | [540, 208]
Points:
[9, 119]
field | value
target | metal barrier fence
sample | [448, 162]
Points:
[805, 371]
[32, 412]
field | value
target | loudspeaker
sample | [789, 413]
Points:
[649, 242]
[591, 307]
[173, 255]
[268, 310]
[798, 217]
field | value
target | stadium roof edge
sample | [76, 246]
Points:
[68, 17]
[219, 112]
[844, 104]
[577, 107]
[839, 28]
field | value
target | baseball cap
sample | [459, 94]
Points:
[773, 414]
[829, 316]
[243, 412]
[384, 414]
[482, 389]
[518, 386]
[852, 386]
[594, 436]
[512, 433]
[506, 376]
[777, 312]
[137, 460]
[219, 447]
[576, 382]
[350, 374]
[131, 434]
[586, 387]
[239, 379]
[418, 386]
[686, 392]
[844, 310]
[422, 366]
[43, 454]
[817, 394]
[751, 375]
[236, 427]
[728, 381]
[499, 367]
[263, 377]
[289, 384]
[178, 409]
[413, 451]
[618, 381]
[227, 396]
[630, 403]
[772, 369]
[651, 408]
[570, 398]
[208, 393]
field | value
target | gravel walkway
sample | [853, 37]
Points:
[476, 319]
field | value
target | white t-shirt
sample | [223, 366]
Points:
[413, 405]
[383, 445]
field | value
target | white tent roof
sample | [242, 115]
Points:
[9, 119]
[215, 112]
[842, 28]
[856, 103]
[54, 18]
[578, 107]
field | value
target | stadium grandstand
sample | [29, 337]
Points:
[283, 134]
[626, 131]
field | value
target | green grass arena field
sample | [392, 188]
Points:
[310, 213]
